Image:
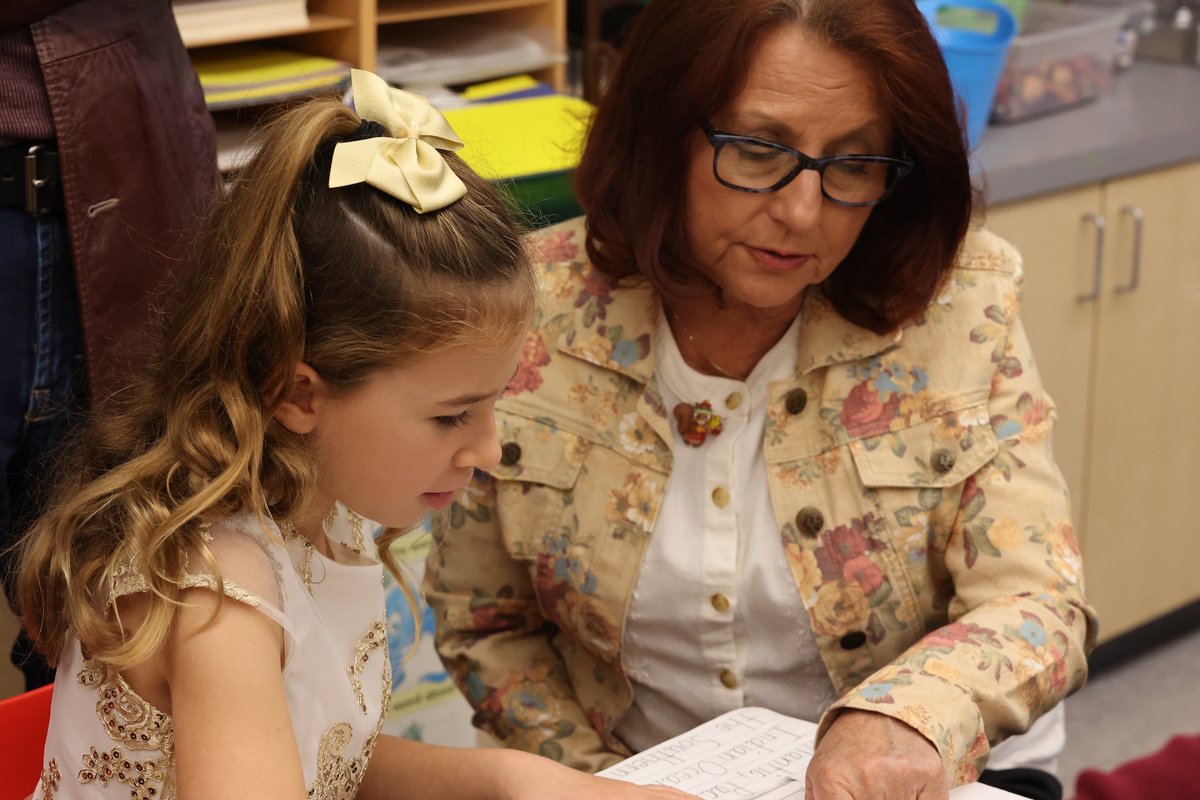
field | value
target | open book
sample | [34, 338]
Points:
[749, 753]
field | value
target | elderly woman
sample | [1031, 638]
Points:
[778, 438]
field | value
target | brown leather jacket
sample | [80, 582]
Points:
[137, 150]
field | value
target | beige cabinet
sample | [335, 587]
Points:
[1112, 307]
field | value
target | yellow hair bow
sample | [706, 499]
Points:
[407, 164]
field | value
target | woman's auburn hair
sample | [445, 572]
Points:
[684, 61]
[349, 281]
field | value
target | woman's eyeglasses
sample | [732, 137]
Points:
[759, 165]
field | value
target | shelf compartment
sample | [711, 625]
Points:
[440, 9]
[317, 23]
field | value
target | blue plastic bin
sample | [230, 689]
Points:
[974, 58]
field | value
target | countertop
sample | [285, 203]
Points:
[1149, 118]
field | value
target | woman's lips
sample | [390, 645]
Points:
[777, 261]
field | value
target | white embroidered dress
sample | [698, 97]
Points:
[107, 742]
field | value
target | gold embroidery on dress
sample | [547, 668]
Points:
[50, 778]
[132, 721]
[374, 638]
[91, 674]
[337, 778]
[142, 777]
[239, 593]
[137, 725]
[359, 545]
[385, 706]
[127, 578]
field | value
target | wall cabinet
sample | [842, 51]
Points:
[1112, 308]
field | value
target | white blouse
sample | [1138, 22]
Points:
[107, 742]
[716, 621]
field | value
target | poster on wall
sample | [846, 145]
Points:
[426, 705]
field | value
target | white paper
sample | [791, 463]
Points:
[750, 754]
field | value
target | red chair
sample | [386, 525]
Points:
[24, 720]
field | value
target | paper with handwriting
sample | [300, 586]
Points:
[749, 754]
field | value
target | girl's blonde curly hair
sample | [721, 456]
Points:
[347, 280]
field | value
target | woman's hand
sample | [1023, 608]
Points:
[531, 777]
[869, 756]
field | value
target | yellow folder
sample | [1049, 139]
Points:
[520, 138]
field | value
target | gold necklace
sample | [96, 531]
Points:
[288, 529]
[696, 346]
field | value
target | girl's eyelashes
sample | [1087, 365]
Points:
[458, 420]
[455, 421]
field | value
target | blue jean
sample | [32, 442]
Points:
[43, 382]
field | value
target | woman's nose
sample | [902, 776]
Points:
[798, 204]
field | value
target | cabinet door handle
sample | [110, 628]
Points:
[1135, 276]
[1098, 268]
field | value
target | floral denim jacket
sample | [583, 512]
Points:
[911, 475]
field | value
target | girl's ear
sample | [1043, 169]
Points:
[298, 411]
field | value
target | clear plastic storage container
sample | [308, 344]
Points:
[1062, 57]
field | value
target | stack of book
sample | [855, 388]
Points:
[251, 74]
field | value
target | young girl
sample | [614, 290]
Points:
[357, 306]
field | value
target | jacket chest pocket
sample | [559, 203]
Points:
[916, 477]
[535, 480]
[577, 514]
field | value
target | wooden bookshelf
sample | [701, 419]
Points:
[348, 30]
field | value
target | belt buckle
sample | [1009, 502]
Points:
[33, 182]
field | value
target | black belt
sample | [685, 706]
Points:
[29, 178]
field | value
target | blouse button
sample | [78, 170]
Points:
[795, 401]
[733, 401]
[720, 497]
[943, 461]
[510, 453]
[810, 521]
[853, 640]
[728, 679]
[720, 602]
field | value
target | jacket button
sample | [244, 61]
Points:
[728, 679]
[943, 461]
[853, 640]
[510, 453]
[795, 401]
[720, 602]
[810, 521]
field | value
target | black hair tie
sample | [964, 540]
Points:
[367, 129]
